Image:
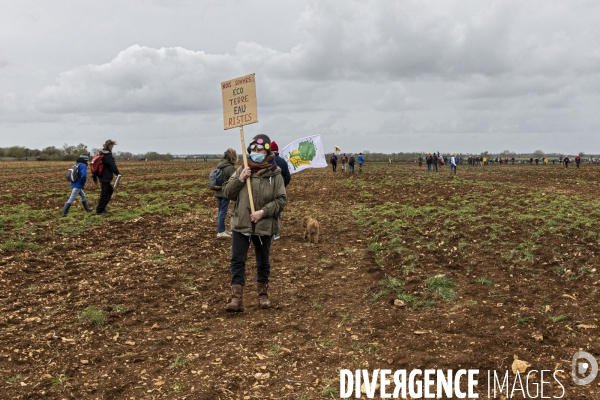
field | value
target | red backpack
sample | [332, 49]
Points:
[97, 164]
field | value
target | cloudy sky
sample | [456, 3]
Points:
[377, 75]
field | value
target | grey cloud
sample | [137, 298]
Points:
[142, 79]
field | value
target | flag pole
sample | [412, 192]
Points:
[248, 184]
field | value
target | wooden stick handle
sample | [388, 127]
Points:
[246, 166]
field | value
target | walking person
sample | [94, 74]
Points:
[577, 160]
[351, 164]
[258, 227]
[344, 160]
[361, 161]
[227, 166]
[420, 159]
[434, 162]
[429, 161]
[566, 161]
[333, 161]
[109, 168]
[78, 185]
[285, 174]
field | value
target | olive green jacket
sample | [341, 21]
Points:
[268, 192]
[228, 170]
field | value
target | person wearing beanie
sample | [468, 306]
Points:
[285, 174]
[110, 168]
[227, 167]
[258, 227]
[78, 185]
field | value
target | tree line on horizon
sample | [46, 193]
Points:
[69, 153]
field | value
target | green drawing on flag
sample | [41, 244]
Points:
[303, 155]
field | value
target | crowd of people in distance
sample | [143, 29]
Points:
[350, 162]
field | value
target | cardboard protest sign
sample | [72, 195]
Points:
[239, 102]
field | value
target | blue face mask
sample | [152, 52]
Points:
[257, 157]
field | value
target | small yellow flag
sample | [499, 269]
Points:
[337, 149]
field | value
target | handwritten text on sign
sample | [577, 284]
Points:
[239, 101]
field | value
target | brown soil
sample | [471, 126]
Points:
[162, 282]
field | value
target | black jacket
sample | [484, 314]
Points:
[110, 167]
[285, 170]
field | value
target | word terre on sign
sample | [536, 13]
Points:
[239, 102]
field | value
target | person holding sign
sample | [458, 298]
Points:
[258, 227]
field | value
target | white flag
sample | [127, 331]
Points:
[304, 153]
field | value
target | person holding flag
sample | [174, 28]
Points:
[258, 227]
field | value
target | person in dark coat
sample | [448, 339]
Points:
[281, 163]
[285, 174]
[110, 169]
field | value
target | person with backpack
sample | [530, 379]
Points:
[434, 162]
[577, 160]
[103, 170]
[351, 163]
[344, 160]
[285, 174]
[227, 168]
[77, 175]
[566, 161]
[361, 161]
[258, 227]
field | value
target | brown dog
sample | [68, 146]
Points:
[311, 229]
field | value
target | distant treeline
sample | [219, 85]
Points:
[70, 153]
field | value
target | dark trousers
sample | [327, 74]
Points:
[105, 195]
[239, 254]
[334, 166]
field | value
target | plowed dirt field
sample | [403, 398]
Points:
[413, 270]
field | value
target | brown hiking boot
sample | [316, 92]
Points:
[236, 305]
[263, 297]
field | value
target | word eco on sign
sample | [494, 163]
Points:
[239, 101]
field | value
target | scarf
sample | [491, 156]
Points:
[260, 168]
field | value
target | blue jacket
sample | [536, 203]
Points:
[80, 183]
[361, 159]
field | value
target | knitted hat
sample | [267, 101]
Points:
[274, 146]
[261, 140]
